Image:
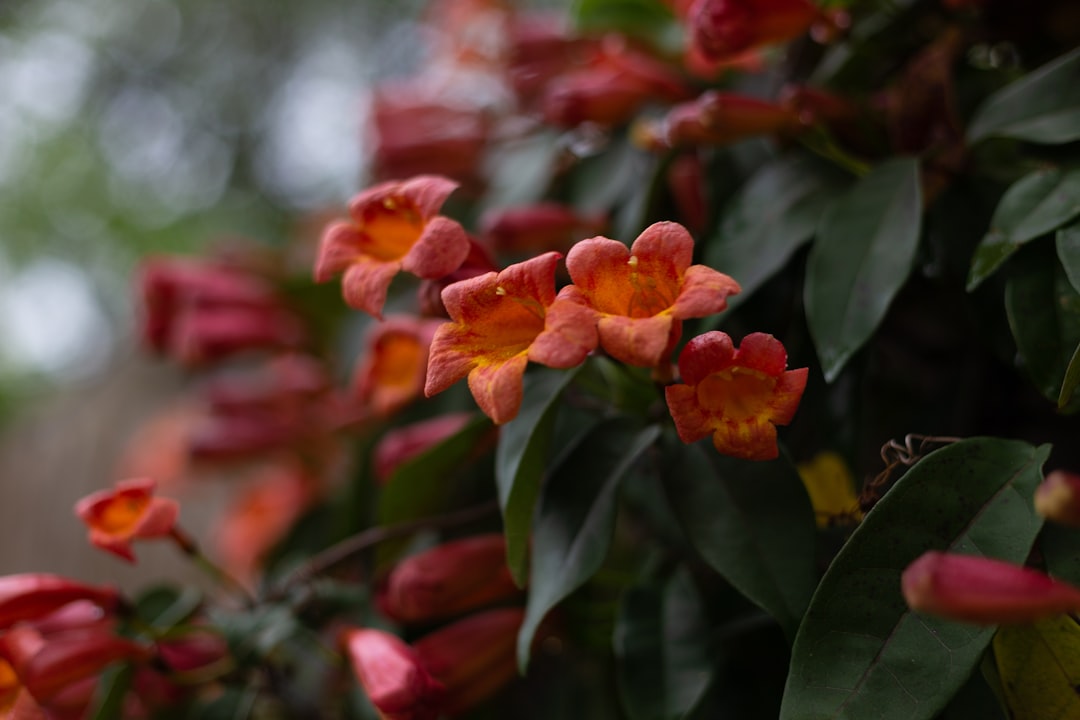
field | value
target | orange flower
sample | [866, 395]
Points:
[449, 579]
[984, 591]
[737, 395]
[392, 675]
[395, 226]
[129, 511]
[393, 370]
[640, 296]
[500, 322]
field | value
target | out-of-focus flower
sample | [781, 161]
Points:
[477, 262]
[720, 29]
[394, 365]
[738, 396]
[715, 118]
[1058, 498]
[611, 88]
[392, 675]
[473, 658]
[640, 296]
[540, 50]
[259, 515]
[538, 227]
[49, 666]
[831, 488]
[686, 183]
[31, 596]
[984, 591]
[395, 226]
[500, 321]
[127, 512]
[199, 312]
[195, 650]
[448, 580]
[404, 443]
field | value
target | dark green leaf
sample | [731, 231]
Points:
[662, 647]
[164, 606]
[1072, 379]
[753, 523]
[577, 517]
[1041, 107]
[1032, 206]
[1044, 315]
[1068, 250]
[864, 251]
[109, 696]
[860, 651]
[773, 214]
[1061, 551]
[520, 461]
[650, 20]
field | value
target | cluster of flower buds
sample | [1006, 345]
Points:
[457, 666]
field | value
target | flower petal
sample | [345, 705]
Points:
[690, 422]
[763, 352]
[787, 394]
[641, 342]
[704, 355]
[453, 354]
[704, 292]
[441, 249]
[366, 282]
[497, 388]
[667, 246]
[569, 336]
[340, 246]
[750, 439]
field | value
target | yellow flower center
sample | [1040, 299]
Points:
[737, 393]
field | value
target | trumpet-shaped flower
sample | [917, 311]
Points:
[392, 372]
[394, 227]
[500, 321]
[639, 297]
[392, 675]
[984, 591]
[736, 395]
[129, 511]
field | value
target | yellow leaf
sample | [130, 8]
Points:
[831, 489]
[1039, 668]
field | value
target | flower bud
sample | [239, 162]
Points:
[392, 675]
[449, 579]
[404, 443]
[34, 595]
[984, 591]
[1058, 498]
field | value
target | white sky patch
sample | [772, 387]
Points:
[51, 322]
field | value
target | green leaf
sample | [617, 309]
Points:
[1061, 552]
[752, 522]
[1041, 107]
[1044, 314]
[1039, 667]
[1067, 242]
[860, 651]
[520, 458]
[577, 517]
[1032, 206]
[108, 702]
[1072, 379]
[165, 606]
[662, 648]
[770, 217]
[864, 251]
[649, 20]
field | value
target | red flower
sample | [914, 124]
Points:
[125, 513]
[736, 395]
[500, 322]
[392, 675]
[394, 227]
[640, 296]
[472, 658]
[715, 118]
[984, 591]
[395, 364]
[720, 29]
[34, 595]
[448, 580]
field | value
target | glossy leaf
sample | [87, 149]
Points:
[864, 251]
[1067, 241]
[662, 649]
[753, 523]
[1044, 314]
[1060, 546]
[774, 213]
[108, 702]
[1040, 107]
[860, 651]
[577, 517]
[651, 20]
[1039, 668]
[1032, 206]
[520, 461]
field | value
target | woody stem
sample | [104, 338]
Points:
[189, 547]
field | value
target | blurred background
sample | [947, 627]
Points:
[132, 127]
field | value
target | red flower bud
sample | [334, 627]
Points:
[473, 658]
[34, 595]
[404, 443]
[720, 29]
[392, 675]
[984, 591]
[716, 118]
[449, 579]
[538, 228]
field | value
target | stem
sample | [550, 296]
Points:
[189, 547]
[818, 142]
[350, 546]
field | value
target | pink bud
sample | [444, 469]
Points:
[392, 675]
[983, 591]
[1058, 498]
